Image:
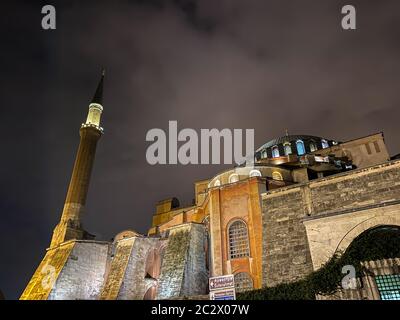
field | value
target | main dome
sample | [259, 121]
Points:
[292, 144]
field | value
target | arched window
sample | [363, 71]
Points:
[217, 183]
[238, 240]
[313, 146]
[276, 175]
[153, 264]
[324, 143]
[150, 293]
[243, 282]
[287, 148]
[264, 154]
[300, 147]
[275, 151]
[255, 173]
[234, 177]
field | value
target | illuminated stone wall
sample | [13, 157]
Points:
[286, 256]
[119, 258]
[125, 269]
[183, 270]
[305, 224]
[40, 285]
[134, 284]
[83, 273]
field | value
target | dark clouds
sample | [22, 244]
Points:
[267, 65]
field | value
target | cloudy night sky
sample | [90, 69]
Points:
[265, 65]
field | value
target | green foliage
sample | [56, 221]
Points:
[375, 244]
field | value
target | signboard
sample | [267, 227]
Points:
[222, 288]
[222, 282]
[223, 294]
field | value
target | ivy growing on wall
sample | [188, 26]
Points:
[374, 244]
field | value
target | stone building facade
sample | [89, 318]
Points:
[303, 199]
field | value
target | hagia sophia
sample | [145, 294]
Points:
[302, 200]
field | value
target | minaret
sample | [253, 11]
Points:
[90, 132]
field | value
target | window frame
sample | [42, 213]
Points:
[229, 251]
[324, 143]
[303, 146]
[287, 145]
[273, 153]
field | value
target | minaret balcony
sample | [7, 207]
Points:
[92, 125]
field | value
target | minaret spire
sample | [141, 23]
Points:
[70, 227]
[98, 96]
[96, 106]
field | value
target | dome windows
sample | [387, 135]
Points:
[292, 145]
[313, 146]
[264, 154]
[287, 148]
[275, 152]
[324, 143]
[300, 147]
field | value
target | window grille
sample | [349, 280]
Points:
[243, 282]
[389, 286]
[238, 240]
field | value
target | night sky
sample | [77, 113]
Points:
[266, 65]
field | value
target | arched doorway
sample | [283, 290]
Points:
[375, 255]
[380, 242]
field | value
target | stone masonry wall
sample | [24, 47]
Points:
[361, 188]
[286, 251]
[134, 284]
[41, 283]
[83, 273]
[183, 266]
[121, 252]
[196, 275]
[286, 255]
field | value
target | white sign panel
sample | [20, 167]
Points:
[222, 282]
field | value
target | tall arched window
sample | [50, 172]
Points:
[300, 147]
[324, 143]
[275, 151]
[313, 146]
[287, 148]
[238, 240]
[243, 282]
